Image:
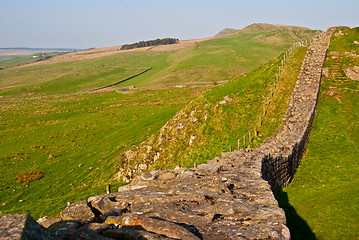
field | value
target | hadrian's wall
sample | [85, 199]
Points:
[228, 198]
[285, 148]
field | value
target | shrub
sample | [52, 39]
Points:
[28, 177]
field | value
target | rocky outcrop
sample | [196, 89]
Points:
[230, 197]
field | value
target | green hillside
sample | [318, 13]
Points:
[260, 28]
[322, 200]
[51, 128]
[264, 27]
[210, 61]
[215, 121]
[7, 61]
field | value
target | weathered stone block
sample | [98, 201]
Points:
[78, 211]
[48, 221]
[207, 169]
[104, 204]
[22, 226]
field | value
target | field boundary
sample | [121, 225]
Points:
[124, 80]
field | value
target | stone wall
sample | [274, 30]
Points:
[230, 197]
[286, 147]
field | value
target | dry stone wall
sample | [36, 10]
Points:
[285, 148]
[230, 197]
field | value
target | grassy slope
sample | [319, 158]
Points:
[217, 126]
[11, 61]
[323, 199]
[91, 129]
[209, 61]
[85, 129]
[82, 75]
[229, 122]
[258, 28]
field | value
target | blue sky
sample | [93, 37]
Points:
[101, 23]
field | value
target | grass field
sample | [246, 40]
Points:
[322, 202]
[70, 141]
[73, 141]
[12, 61]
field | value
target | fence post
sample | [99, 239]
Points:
[250, 137]
[244, 141]
[264, 110]
[108, 189]
[239, 143]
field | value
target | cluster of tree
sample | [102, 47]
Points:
[149, 43]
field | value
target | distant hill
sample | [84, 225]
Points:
[227, 31]
[259, 28]
[30, 51]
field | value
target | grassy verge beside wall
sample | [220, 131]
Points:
[323, 199]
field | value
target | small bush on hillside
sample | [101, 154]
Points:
[28, 177]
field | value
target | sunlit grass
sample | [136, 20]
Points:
[73, 141]
[323, 199]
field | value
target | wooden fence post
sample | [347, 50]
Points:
[264, 110]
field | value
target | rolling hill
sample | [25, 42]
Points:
[52, 123]
[259, 28]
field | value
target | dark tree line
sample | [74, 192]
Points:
[164, 41]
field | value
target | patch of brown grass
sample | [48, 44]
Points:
[28, 177]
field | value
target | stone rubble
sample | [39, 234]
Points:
[230, 197]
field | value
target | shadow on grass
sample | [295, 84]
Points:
[298, 227]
